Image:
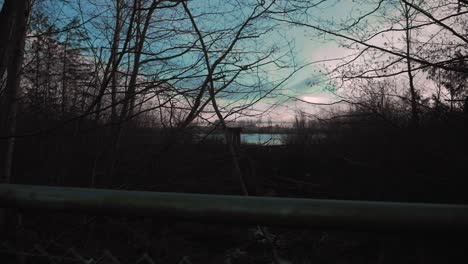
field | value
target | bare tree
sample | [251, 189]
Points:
[431, 30]
[13, 20]
[414, 107]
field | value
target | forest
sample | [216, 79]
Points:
[344, 100]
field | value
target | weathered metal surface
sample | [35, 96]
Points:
[239, 210]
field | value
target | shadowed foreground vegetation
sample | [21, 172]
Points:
[355, 158]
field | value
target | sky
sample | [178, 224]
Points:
[309, 84]
[312, 84]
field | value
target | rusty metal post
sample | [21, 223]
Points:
[360, 215]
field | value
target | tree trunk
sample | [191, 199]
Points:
[8, 22]
[465, 112]
[414, 104]
[19, 12]
[141, 28]
[115, 61]
[13, 23]
[64, 78]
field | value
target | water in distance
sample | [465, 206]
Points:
[255, 139]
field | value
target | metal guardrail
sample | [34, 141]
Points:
[290, 212]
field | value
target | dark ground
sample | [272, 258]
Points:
[390, 168]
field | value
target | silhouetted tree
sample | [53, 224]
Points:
[391, 39]
[13, 26]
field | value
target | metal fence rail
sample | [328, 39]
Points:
[238, 209]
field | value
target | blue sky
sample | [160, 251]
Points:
[309, 83]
